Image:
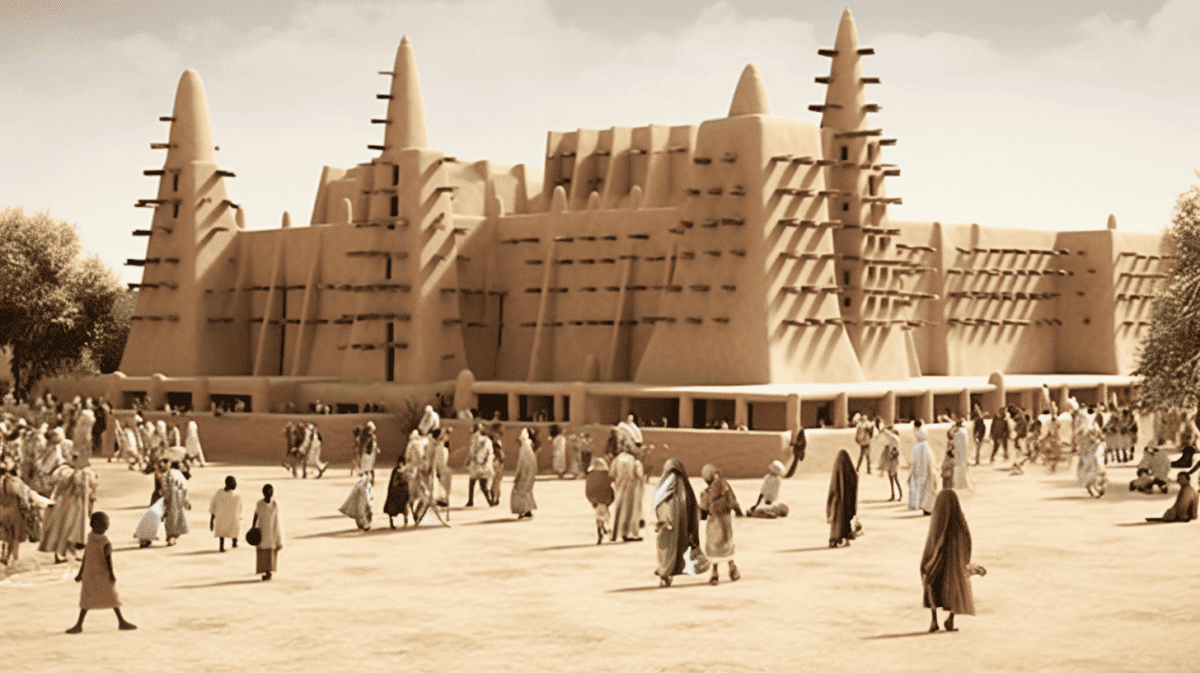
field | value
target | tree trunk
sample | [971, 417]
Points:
[15, 366]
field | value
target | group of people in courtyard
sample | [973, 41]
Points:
[48, 488]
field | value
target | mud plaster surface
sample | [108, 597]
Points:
[1073, 584]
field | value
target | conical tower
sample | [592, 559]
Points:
[194, 222]
[752, 296]
[407, 323]
[877, 302]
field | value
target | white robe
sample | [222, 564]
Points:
[194, 450]
[922, 489]
[226, 506]
[962, 478]
[269, 524]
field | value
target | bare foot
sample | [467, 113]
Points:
[933, 626]
[127, 626]
[78, 628]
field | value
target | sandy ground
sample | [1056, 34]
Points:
[1073, 584]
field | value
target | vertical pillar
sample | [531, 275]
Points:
[260, 396]
[687, 408]
[964, 403]
[558, 408]
[1027, 400]
[1064, 394]
[113, 395]
[201, 396]
[579, 413]
[887, 408]
[464, 397]
[841, 411]
[1101, 394]
[995, 399]
[156, 392]
[741, 412]
[792, 413]
[926, 412]
[514, 407]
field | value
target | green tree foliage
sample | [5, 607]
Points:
[1169, 359]
[55, 305]
[110, 344]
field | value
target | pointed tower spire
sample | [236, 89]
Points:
[191, 131]
[845, 98]
[750, 97]
[406, 109]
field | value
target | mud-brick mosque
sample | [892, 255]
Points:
[743, 268]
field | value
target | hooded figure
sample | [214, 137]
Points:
[921, 488]
[192, 442]
[678, 525]
[944, 572]
[397, 494]
[599, 491]
[961, 443]
[842, 503]
[521, 500]
[430, 421]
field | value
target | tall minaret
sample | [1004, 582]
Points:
[194, 222]
[409, 228]
[875, 303]
[752, 294]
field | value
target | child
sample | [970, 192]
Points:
[767, 506]
[225, 513]
[716, 503]
[889, 462]
[99, 590]
[599, 491]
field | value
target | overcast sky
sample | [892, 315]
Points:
[1021, 113]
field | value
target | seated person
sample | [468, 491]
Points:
[1186, 503]
[1153, 470]
[767, 506]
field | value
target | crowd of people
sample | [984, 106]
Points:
[48, 488]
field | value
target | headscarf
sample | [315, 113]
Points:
[685, 514]
[776, 468]
[947, 553]
[429, 421]
[721, 498]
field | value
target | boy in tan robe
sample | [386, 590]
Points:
[99, 584]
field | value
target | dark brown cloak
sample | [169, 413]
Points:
[599, 487]
[685, 522]
[842, 504]
[397, 495]
[947, 553]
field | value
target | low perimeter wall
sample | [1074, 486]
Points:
[258, 439]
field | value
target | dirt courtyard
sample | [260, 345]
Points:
[1073, 584]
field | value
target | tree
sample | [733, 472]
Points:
[110, 344]
[1169, 357]
[54, 304]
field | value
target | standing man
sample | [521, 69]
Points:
[225, 513]
[863, 432]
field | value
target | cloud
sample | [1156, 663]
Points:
[1101, 121]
